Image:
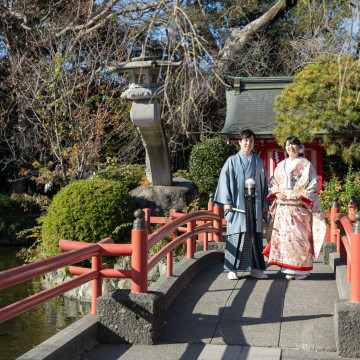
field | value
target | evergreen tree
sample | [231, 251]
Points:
[324, 98]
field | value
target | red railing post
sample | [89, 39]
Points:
[328, 228]
[139, 255]
[202, 237]
[211, 202]
[169, 264]
[352, 208]
[348, 265]
[218, 223]
[147, 212]
[190, 242]
[335, 210]
[171, 214]
[96, 264]
[355, 260]
[210, 236]
[172, 217]
[342, 249]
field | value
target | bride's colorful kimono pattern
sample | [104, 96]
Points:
[297, 228]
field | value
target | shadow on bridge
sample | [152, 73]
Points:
[214, 310]
[272, 314]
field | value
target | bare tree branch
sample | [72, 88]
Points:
[238, 38]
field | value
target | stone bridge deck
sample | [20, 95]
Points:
[216, 318]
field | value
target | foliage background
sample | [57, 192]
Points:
[128, 175]
[323, 99]
[343, 189]
[206, 161]
[16, 214]
[61, 114]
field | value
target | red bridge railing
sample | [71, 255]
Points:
[203, 225]
[345, 231]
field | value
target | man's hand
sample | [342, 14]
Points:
[281, 196]
[228, 207]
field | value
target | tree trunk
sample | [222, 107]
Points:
[238, 38]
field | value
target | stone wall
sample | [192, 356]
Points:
[83, 292]
[160, 199]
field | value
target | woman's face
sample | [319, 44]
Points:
[292, 150]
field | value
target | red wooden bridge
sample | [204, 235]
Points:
[200, 226]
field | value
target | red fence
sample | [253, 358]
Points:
[347, 236]
[200, 225]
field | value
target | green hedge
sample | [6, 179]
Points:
[206, 161]
[88, 210]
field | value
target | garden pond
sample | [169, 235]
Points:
[23, 332]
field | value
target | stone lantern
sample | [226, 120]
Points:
[146, 80]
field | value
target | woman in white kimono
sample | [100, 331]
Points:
[297, 228]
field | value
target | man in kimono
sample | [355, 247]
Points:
[243, 249]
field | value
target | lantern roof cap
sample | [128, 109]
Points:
[143, 64]
[151, 61]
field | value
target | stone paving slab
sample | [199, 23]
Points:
[218, 352]
[184, 351]
[194, 315]
[181, 351]
[145, 352]
[308, 313]
[264, 335]
[295, 354]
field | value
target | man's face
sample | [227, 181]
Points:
[247, 144]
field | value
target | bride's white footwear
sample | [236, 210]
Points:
[302, 277]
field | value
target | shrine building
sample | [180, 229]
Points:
[250, 105]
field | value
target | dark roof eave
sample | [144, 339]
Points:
[261, 134]
[266, 135]
[263, 79]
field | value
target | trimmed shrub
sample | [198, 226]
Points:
[128, 175]
[88, 210]
[206, 161]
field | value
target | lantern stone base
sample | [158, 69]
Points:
[130, 318]
[160, 199]
[347, 328]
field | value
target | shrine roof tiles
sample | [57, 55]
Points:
[250, 105]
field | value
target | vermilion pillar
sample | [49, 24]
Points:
[139, 255]
[355, 260]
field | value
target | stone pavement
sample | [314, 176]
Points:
[215, 318]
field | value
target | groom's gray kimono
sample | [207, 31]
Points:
[231, 190]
